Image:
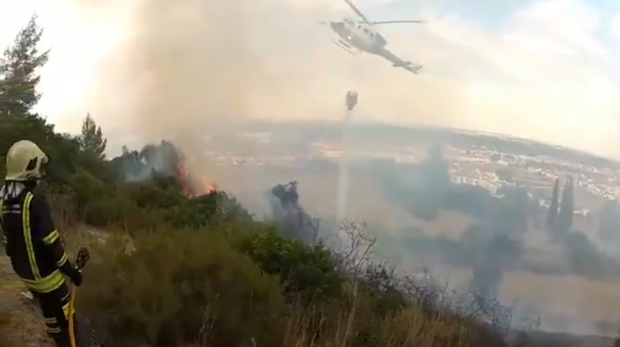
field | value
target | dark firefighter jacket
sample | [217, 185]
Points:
[33, 243]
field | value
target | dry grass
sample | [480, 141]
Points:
[410, 327]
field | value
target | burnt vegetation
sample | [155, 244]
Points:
[184, 264]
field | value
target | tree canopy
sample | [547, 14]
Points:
[92, 142]
[19, 71]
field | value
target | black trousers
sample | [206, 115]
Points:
[55, 309]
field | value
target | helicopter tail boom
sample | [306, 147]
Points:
[398, 22]
[409, 66]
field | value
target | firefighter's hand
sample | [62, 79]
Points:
[76, 278]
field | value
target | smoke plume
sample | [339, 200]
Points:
[187, 67]
[183, 75]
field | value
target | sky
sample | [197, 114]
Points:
[539, 69]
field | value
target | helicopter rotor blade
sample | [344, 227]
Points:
[399, 22]
[357, 11]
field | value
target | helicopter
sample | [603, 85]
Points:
[355, 37]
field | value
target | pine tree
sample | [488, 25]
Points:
[92, 142]
[567, 207]
[553, 208]
[18, 71]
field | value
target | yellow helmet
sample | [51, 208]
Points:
[24, 161]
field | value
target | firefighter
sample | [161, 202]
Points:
[32, 241]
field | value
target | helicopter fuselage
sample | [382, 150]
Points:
[359, 35]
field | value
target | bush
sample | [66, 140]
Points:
[307, 273]
[181, 286]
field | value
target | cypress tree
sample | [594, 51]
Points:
[553, 208]
[567, 207]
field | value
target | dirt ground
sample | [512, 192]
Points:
[20, 322]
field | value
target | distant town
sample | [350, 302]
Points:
[472, 163]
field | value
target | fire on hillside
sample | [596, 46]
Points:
[193, 186]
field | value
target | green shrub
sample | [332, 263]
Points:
[94, 199]
[181, 286]
[195, 212]
[149, 195]
[307, 273]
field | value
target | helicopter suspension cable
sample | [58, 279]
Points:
[347, 143]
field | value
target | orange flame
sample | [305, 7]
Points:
[190, 187]
[207, 186]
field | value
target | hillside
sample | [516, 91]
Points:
[184, 264]
[21, 326]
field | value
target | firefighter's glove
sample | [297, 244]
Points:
[76, 277]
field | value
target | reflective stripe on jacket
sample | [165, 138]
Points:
[32, 242]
